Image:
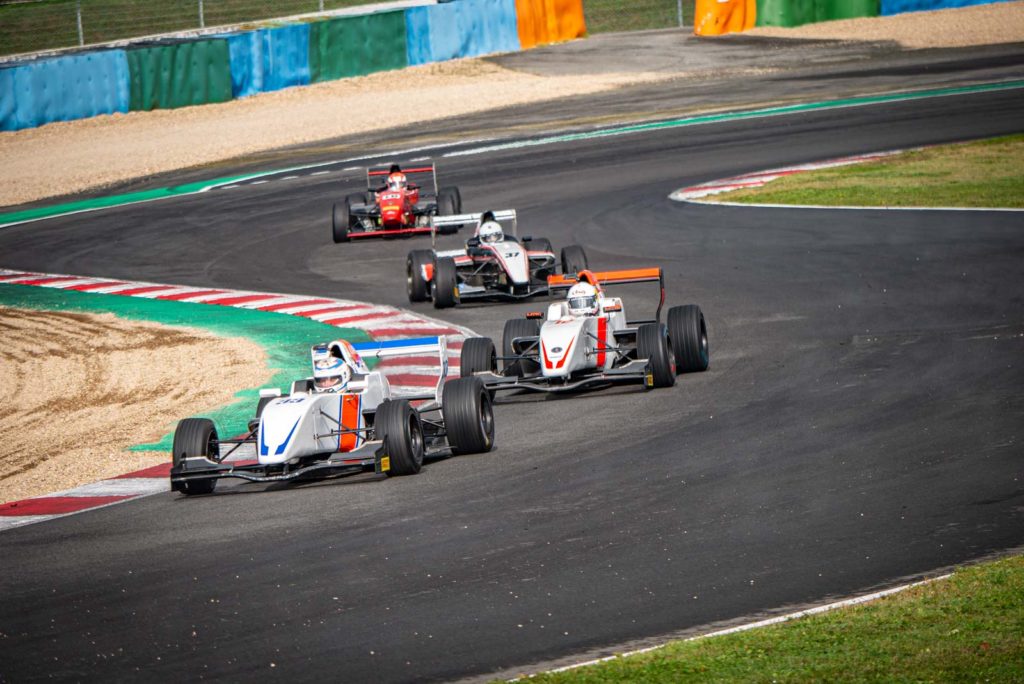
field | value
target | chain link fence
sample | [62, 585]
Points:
[33, 25]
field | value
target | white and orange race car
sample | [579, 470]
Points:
[586, 340]
[494, 264]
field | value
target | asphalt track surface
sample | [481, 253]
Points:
[860, 425]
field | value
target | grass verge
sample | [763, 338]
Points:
[968, 628]
[988, 173]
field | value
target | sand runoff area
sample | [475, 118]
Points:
[78, 389]
[74, 156]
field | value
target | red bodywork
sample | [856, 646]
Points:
[396, 207]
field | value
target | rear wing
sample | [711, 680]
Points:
[419, 175]
[417, 345]
[635, 275]
[506, 217]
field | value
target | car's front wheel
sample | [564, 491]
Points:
[194, 437]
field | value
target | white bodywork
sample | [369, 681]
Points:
[308, 423]
[572, 343]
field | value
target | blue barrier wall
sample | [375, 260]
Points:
[898, 6]
[285, 56]
[467, 28]
[246, 53]
[64, 88]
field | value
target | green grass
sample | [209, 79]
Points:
[969, 628]
[52, 23]
[989, 173]
[605, 16]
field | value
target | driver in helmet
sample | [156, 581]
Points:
[330, 371]
[582, 300]
[397, 181]
[490, 232]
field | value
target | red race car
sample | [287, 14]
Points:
[394, 205]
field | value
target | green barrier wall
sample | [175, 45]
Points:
[797, 12]
[355, 46]
[179, 75]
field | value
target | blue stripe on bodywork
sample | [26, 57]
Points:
[396, 344]
[280, 449]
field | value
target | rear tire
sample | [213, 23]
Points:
[688, 336]
[652, 344]
[194, 437]
[478, 356]
[445, 289]
[417, 287]
[468, 416]
[518, 327]
[574, 260]
[341, 219]
[398, 426]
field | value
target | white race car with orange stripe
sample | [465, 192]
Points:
[361, 426]
[509, 268]
[570, 351]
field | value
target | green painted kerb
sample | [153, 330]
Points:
[285, 338]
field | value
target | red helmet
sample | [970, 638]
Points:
[396, 181]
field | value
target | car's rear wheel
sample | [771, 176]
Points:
[574, 260]
[340, 222]
[194, 437]
[518, 327]
[416, 286]
[449, 203]
[478, 356]
[652, 344]
[398, 426]
[445, 290]
[688, 336]
[468, 416]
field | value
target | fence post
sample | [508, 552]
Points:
[78, 19]
[202, 20]
[679, 8]
[321, 5]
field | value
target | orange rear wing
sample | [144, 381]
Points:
[565, 281]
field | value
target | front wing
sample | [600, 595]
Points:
[628, 373]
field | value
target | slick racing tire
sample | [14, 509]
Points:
[341, 220]
[478, 356]
[574, 260]
[468, 416]
[416, 286]
[194, 437]
[518, 327]
[449, 203]
[652, 344]
[445, 290]
[688, 336]
[398, 426]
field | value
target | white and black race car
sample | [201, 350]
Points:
[494, 264]
[586, 341]
[344, 420]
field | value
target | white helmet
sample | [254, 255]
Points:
[331, 372]
[490, 231]
[583, 299]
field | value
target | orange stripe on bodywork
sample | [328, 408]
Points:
[349, 421]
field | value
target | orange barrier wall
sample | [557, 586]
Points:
[714, 17]
[549, 21]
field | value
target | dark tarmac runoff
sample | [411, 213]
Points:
[860, 424]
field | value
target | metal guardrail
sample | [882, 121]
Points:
[37, 25]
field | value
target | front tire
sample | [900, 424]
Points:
[652, 344]
[468, 416]
[449, 203]
[518, 327]
[446, 284]
[341, 219]
[688, 336]
[574, 260]
[416, 286]
[398, 426]
[478, 356]
[194, 437]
